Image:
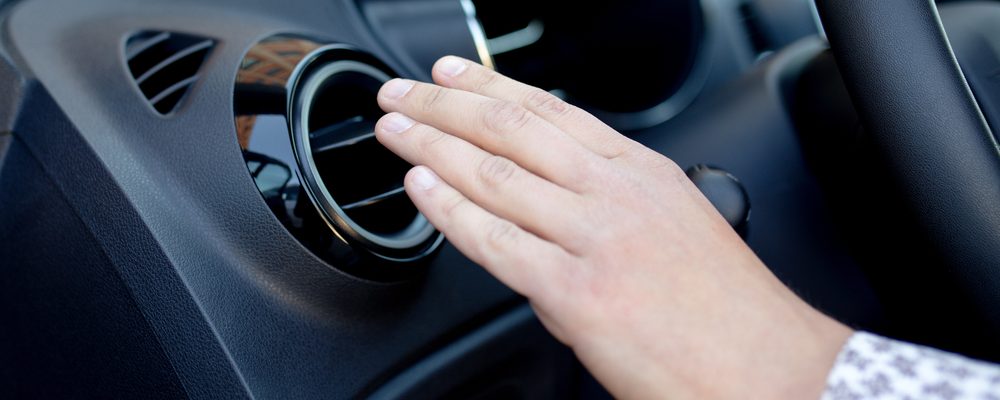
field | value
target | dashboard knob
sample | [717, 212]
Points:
[725, 192]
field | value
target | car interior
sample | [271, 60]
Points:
[193, 203]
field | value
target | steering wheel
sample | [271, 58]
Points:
[918, 109]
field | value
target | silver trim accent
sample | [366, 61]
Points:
[374, 199]
[518, 39]
[816, 19]
[478, 34]
[344, 143]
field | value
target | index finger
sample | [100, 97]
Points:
[499, 127]
[458, 73]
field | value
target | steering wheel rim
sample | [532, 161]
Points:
[920, 113]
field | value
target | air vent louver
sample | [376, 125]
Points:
[305, 118]
[165, 65]
[350, 175]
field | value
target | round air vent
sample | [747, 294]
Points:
[305, 116]
[356, 183]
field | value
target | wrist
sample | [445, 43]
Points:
[775, 349]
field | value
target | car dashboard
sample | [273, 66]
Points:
[192, 205]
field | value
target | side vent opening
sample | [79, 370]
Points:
[165, 65]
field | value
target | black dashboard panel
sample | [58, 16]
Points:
[58, 358]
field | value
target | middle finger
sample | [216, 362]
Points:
[495, 183]
[499, 127]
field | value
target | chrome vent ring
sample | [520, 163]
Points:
[332, 115]
[305, 113]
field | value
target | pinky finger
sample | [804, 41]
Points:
[516, 257]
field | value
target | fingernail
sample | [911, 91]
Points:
[451, 66]
[396, 88]
[396, 123]
[424, 178]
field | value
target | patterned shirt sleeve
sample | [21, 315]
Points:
[874, 367]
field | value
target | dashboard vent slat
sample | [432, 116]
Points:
[305, 116]
[355, 180]
[374, 199]
[165, 65]
[172, 90]
[140, 43]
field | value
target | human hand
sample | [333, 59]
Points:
[620, 255]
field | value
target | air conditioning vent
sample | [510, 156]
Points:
[355, 181]
[305, 114]
[165, 65]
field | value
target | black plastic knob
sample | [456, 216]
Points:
[725, 192]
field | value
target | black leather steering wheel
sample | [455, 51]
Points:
[917, 107]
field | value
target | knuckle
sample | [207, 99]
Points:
[673, 169]
[500, 234]
[651, 161]
[590, 173]
[621, 152]
[545, 103]
[433, 97]
[486, 80]
[665, 165]
[452, 205]
[504, 117]
[430, 139]
[496, 170]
